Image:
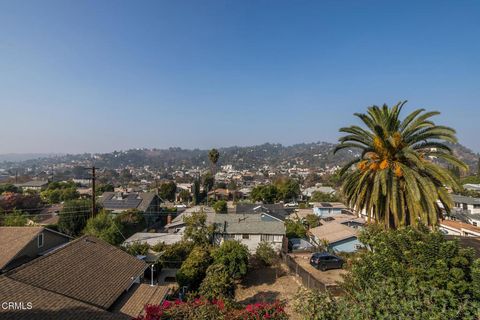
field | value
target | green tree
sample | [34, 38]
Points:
[9, 188]
[15, 219]
[234, 256]
[264, 193]
[287, 189]
[174, 255]
[208, 181]
[318, 196]
[194, 268]
[220, 206]
[167, 191]
[184, 196]
[105, 188]
[217, 284]
[295, 229]
[196, 228]
[395, 180]
[73, 217]
[196, 192]
[410, 273]
[213, 156]
[137, 248]
[105, 227]
[265, 253]
[312, 220]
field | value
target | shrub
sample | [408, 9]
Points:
[193, 270]
[137, 248]
[217, 283]
[105, 227]
[408, 274]
[220, 206]
[174, 255]
[234, 256]
[265, 253]
[202, 308]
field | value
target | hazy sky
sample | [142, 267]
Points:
[97, 76]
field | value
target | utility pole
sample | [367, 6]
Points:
[94, 209]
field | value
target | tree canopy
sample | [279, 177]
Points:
[410, 273]
[396, 181]
[234, 256]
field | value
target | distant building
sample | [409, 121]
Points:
[466, 204]
[177, 224]
[340, 237]
[308, 192]
[458, 228]
[326, 209]
[472, 187]
[276, 211]
[36, 185]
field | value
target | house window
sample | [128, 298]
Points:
[267, 237]
[40, 240]
[245, 236]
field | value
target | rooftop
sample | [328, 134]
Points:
[86, 269]
[334, 232]
[141, 294]
[247, 224]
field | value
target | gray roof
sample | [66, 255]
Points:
[248, 224]
[464, 199]
[275, 210]
[140, 201]
[154, 238]
[178, 220]
[33, 183]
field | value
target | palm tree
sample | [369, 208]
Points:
[213, 155]
[397, 179]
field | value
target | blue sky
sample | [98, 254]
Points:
[98, 76]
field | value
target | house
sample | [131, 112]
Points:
[308, 192]
[458, 228]
[106, 281]
[327, 209]
[177, 224]
[35, 185]
[19, 245]
[33, 303]
[466, 204]
[121, 201]
[275, 211]
[147, 203]
[340, 237]
[249, 229]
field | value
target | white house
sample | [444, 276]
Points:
[249, 229]
[466, 204]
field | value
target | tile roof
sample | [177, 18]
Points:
[134, 301]
[47, 305]
[13, 240]
[459, 226]
[249, 224]
[87, 269]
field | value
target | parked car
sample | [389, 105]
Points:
[326, 261]
[291, 204]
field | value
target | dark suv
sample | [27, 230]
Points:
[325, 261]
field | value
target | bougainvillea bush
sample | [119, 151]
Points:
[201, 308]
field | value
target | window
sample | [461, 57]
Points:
[245, 236]
[267, 237]
[40, 240]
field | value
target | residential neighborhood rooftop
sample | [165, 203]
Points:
[87, 269]
[247, 224]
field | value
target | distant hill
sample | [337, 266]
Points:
[308, 155]
[17, 157]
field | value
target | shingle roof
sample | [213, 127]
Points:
[46, 305]
[248, 224]
[178, 220]
[133, 302]
[275, 210]
[13, 240]
[87, 269]
[334, 232]
[140, 201]
[464, 199]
